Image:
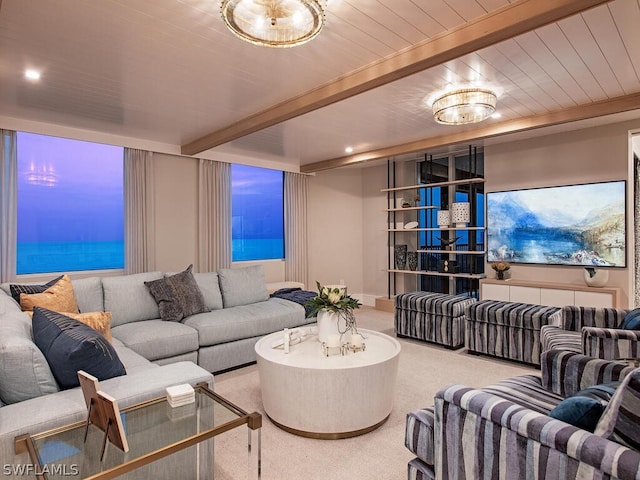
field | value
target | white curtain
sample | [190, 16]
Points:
[214, 216]
[636, 229]
[139, 230]
[8, 205]
[295, 227]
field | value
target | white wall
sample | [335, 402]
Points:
[582, 156]
[336, 234]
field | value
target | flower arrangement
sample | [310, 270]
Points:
[333, 299]
[500, 266]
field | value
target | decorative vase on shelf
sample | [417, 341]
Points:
[400, 256]
[329, 323]
[596, 278]
[500, 275]
[412, 260]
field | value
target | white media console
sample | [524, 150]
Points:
[552, 294]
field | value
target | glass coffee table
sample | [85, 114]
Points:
[164, 442]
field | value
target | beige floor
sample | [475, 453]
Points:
[379, 455]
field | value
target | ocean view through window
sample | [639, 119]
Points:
[257, 206]
[70, 205]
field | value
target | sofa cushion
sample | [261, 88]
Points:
[631, 320]
[210, 288]
[24, 371]
[133, 362]
[128, 299]
[246, 321]
[242, 286]
[17, 289]
[177, 296]
[619, 421]
[58, 297]
[157, 339]
[70, 345]
[89, 294]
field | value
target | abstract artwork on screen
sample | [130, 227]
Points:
[566, 225]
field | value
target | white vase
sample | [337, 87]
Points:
[599, 278]
[328, 324]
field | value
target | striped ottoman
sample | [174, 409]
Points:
[432, 317]
[506, 329]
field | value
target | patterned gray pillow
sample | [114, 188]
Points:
[619, 422]
[178, 296]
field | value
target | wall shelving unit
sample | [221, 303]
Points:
[426, 246]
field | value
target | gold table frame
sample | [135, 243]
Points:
[253, 421]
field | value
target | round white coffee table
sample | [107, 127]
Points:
[309, 394]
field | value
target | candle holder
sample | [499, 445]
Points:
[356, 348]
[339, 350]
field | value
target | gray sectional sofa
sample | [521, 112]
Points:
[156, 353]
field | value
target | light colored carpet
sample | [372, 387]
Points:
[380, 455]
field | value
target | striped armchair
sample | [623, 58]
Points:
[592, 331]
[504, 432]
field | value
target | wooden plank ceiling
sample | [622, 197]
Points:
[168, 71]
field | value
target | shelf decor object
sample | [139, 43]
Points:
[460, 214]
[444, 220]
[465, 105]
[274, 23]
[595, 277]
[400, 256]
[412, 260]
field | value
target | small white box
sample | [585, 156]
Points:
[178, 395]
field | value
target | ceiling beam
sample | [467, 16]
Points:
[514, 19]
[621, 104]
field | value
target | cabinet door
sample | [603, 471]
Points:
[492, 291]
[524, 294]
[556, 298]
[594, 299]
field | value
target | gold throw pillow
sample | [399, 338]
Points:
[59, 298]
[100, 321]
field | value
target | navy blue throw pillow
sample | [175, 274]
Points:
[70, 345]
[584, 409]
[581, 412]
[16, 289]
[631, 320]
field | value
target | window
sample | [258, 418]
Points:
[257, 206]
[70, 205]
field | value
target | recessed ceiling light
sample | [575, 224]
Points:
[496, 115]
[31, 74]
[349, 149]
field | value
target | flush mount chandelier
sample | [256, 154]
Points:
[466, 105]
[274, 23]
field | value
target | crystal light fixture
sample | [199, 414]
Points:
[274, 23]
[466, 105]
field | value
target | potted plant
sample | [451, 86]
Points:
[500, 268]
[334, 309]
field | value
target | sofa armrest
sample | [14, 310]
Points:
[62, 408]
[480, 435]
[565, 372]
[574, 318]
[610, 343]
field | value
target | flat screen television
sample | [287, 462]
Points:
[565, 225]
